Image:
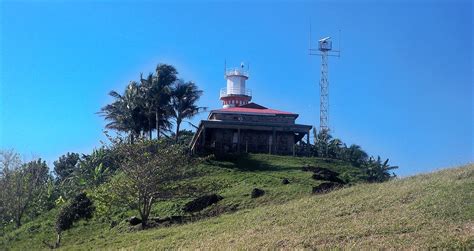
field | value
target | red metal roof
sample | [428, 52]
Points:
[253, 108]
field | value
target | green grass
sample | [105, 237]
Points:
[425, 211]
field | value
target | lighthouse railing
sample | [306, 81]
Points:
[225, 92]
[236, 72]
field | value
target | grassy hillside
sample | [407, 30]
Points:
[432, 210]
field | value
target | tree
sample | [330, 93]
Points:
[81, 207]
[9, 162]
[150, 173]
[322, 143]
[378, 171]
[146, 91]
[97, 167]
[148, 105]
[21, 184]
[166, 75]
[183, 101]
[356, 155]
[66, 169]
[156, 90]
[336, 149]
[65, 166]
[126, 112]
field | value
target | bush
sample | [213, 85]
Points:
[80, 207]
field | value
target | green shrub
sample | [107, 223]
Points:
[80, 207]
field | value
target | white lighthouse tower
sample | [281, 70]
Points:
[236, 94]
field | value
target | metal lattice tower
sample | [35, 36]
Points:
[324, 50]
[324, 93]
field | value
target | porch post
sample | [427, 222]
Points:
[270, 142]
[294, 145]
[238, 140]
[204, 137]
[274, 145]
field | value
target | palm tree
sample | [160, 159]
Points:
[322, 143]
[146, 92]
[356, 155]
[336, 148]
[125, 113]
[156, 90]
[166, 75]
[378, 171]
[183, 101]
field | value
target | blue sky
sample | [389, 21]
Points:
[403, 88]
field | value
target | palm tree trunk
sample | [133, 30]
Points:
[150, 128]
[178, 123]
[157, 117]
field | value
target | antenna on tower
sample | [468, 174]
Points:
[225, 66]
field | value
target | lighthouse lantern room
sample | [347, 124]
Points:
[235, 94]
